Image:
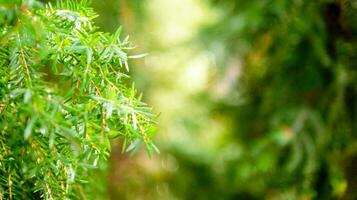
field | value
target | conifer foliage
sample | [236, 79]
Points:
[62, 98]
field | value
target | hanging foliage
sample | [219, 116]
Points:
[63, 96]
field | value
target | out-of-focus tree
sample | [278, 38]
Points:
[258, 99]
[296, 115]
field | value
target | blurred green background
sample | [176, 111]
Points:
[258, 99]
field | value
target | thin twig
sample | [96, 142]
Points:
[142, 131]
[36, 150]
[49, 191]
[25, 65]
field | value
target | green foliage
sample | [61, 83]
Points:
[63, 96]
[295, 110]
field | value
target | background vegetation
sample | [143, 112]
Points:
[257, 98]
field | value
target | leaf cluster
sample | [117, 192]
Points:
[63, 96]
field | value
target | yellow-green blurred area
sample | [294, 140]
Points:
[257, 99]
